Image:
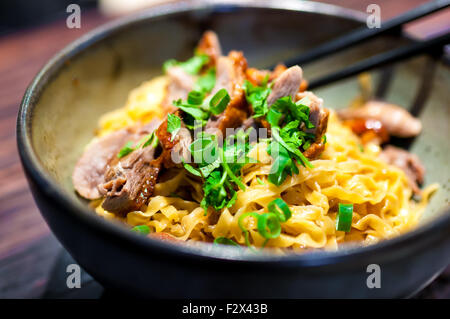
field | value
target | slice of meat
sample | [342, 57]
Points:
[129, 183]
[173, 150]
[209, 44]
[398, 121]
[181, 82]
[409, 163]
[286, 84]
[90, 169]
[230, 75]
[257, 77]
[179, 86]
[318, 116]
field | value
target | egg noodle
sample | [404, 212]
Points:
[346, 172]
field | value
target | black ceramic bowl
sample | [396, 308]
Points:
[93, 75]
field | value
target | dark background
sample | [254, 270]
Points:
[31, 31]
[19, 14]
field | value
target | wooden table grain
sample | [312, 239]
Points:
[27, 248]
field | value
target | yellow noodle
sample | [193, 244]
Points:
[344, 173]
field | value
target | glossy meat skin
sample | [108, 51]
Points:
[398, 121]
[286, 84]
[230, 76]
[89, 172]
[209, 44]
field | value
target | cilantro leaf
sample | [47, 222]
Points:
[173, 125]
[127, 149]
[215, 193]
[257, 97]
[191, 66]
[193, 110]
[206, 82]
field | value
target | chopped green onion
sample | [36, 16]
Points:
[141, 229]
[243, 229]
[195, 97]
[260, 182]
[269, 225]
[285, 213]
[225, 241]
[219, 102]
[344, 217]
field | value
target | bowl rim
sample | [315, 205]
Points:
[224, 255]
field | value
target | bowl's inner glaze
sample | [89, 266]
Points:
[99, 78]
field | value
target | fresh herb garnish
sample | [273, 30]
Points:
[344, 217]
[257, 97]
[220, 167]
[195, 97]
[219, 102]
[191, 66]
[268, 224]
[173, 125]
[127, 149]
[141, 229]
[191, 169]
[150, 139]
[206, 82]
[285, 118]
[200, 109]
[225, 241]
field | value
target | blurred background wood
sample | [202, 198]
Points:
[28, 250]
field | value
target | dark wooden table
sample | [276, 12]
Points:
[28, 250]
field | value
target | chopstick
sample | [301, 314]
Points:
[382, 60]
[364, 34]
